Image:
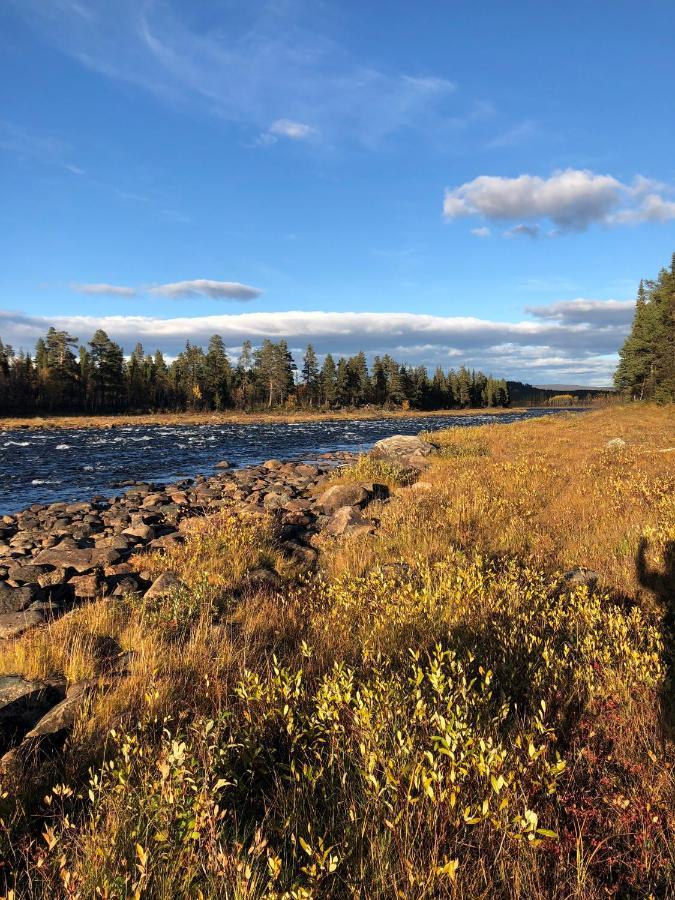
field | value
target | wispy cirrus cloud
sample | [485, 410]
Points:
[257, 65]
[219, 290]
[566, 340]
[569, 199]
[176, 290]
[103, 289]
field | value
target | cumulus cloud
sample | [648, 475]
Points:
[113, 290]
[572, 199]
[220, 290]
[547, 348]
[482, 231]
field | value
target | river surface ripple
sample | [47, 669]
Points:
[50, 464]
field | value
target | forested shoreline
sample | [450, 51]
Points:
[646, 369]
[66, 376]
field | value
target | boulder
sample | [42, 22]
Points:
[343, 520]
[223, 464]
[340, 495]
[580, 578]
[14, 624]
[140, 531]
[85, 587]
[402, 447]
[27, 574]
[23, 703]
[163, 586]
[15, 599]
[81, 559]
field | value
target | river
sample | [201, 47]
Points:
[50, 464]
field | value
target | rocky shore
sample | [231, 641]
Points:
[55, 557]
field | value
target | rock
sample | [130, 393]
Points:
[126, 586]
[82, 560]
[580, 577]
[264, 579]
[616, 444]
[402, 447]
[27, 573]
[223, 464]
[162, 586]
[59, 719]
[272, 464]
[52, 579]
[273, 500]
[14, 624]
[23, 703]
[343, 520]
[140, 531]
[15, 599]
[340, 495]
[421, 487]
[85, 587]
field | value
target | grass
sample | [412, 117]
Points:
[430, 714]
[232, 418]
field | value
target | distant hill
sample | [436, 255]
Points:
[522, 394]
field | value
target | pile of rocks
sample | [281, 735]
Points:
[52, 556]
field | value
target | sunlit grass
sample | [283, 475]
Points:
[432, 714]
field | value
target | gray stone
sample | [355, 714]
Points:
[340, 495]
[14, 624]
[82, 560]
[343, 520]
[15, 599]
[402, 447]
[163, 586]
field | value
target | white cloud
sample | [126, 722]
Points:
[296, 131]
[572, 199]
[583, 344]
[114, 290]
[596, 312]
[531, 231]
[514, 136]
[221, 290]
[482, 232]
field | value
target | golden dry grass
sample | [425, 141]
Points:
[231, 418]
[429, 715]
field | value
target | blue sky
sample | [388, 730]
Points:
[451, 182]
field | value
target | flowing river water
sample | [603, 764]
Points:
[50, 464]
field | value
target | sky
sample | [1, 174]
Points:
[453, 183]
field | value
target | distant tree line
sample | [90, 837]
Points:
[63, 376]
[646, 369]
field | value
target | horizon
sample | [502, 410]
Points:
[412, 184]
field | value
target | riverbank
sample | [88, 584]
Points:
[237, 418]
[459, 688]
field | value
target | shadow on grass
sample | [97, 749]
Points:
[661, 583]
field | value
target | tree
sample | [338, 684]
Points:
[646, 367]
[310, 375]
[105, 372]
[328, 381]
[218, 374]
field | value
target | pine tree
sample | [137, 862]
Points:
[310, 375]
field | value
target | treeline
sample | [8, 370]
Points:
[646, 369]
[64, 376]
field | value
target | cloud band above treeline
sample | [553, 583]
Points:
[573, 339]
